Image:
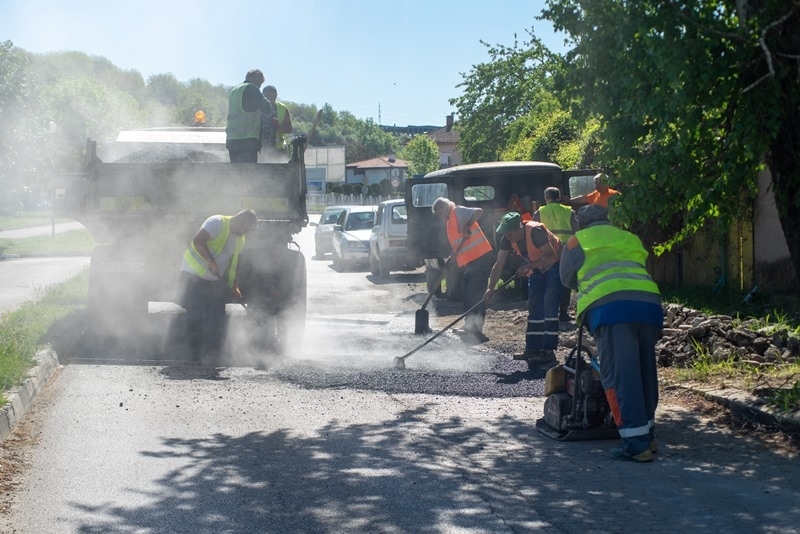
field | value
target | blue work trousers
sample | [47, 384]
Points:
[544, 295]
[627, 354]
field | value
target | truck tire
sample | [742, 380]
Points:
[274, 287]
[378, 267]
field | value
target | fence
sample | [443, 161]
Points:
[318, 202]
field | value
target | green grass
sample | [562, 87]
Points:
[24, 331]
[26, 220]
[65, 243]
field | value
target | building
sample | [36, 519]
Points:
[447, 140]
[373, 171]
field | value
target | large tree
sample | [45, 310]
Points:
[695, 97]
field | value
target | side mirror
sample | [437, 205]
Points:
[337, 227]
[313, 224]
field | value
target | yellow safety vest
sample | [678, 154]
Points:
[558, 219]
[199, 265]
[614, 261]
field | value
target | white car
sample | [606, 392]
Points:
[387, 244]
[323, 235]
[351, 236]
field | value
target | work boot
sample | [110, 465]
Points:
[527, 355]
[618, 453]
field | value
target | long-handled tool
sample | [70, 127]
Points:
[399, 362]
[421, 324]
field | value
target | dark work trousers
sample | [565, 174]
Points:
[243, 150]
[563, 305]
[473, 288]
[204, 301]
[627, 353]
[544, 294]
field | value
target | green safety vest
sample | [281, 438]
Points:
[614, 261]
[282, 111]
[242, 124]
[199, 265]
[558, 219]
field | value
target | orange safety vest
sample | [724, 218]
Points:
[534, 253]
[475, 246]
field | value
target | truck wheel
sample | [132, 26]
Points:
[290, 322]
[383, 268]
[374, 268]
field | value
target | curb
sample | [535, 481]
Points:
[749, 406]
[21, 398]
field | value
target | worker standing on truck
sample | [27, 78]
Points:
[276, 125]
[542, 252]
[601, 194]
[246, 105]
[208, 275]
[473, 252]
[560, 220]
[620, 304]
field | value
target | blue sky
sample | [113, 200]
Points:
[404, 57]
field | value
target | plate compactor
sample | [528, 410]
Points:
[576, 407]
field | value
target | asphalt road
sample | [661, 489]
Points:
[333, 441]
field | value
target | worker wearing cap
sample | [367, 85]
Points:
[620, 304]
[474, 253]
[542, 254]
[208, 275]
[280, 122]
[246, 105]
[560, 220]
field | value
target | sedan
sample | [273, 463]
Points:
[323, 236]
[351, 237]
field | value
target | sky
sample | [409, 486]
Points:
[396, 62]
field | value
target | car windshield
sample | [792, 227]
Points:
[330, 217]
[360, 221]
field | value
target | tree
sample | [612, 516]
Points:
[422, 155]
[518, 82]
[694, 98]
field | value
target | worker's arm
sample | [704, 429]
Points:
[497, 270]
[286, 127]
[200, 241]
[571, 260]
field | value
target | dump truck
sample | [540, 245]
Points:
[144, 205]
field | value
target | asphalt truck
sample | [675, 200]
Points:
[145, 204]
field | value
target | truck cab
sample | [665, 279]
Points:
[496, 187]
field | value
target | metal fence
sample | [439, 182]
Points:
[318, 202]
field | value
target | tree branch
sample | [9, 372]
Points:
[762, 42]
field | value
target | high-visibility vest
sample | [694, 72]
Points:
[558, 219]
[534, 253]
[282, 111]
[242, 124]
[614, 260]
[199, 265]
[475, 246]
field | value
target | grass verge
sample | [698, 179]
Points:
[74, 242]
[26, 220]
[24, 331]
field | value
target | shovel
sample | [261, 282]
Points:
[399, 362]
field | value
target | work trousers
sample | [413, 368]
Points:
[473, 289]
[544, 295]
[204, 302]
[627, 353]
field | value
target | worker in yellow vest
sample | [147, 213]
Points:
[279, 124]
[560, 220]
[473, 252]
[208, 277]
[620, 304]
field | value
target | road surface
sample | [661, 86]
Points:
[335, 440]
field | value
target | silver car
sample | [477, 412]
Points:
[351, 237]
[323, 236]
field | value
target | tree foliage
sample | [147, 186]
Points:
[422, 155]
[693, 97]
[517, 84]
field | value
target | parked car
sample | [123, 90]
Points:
[323, 235]
[387, 244]
[351, 236]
